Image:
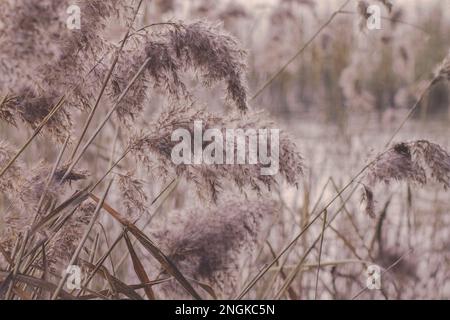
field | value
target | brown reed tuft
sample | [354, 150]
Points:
[63, 244]
[175, 49]
[208, 245]
[24, 187]
[44, 59]
[134, 198]
[154, 147]
[414, 162]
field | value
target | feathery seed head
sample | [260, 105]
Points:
[208, 246]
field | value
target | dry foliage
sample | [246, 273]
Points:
[101, 103]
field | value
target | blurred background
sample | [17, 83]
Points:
[347, 71]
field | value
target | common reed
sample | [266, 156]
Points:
[24, 188]
[64, 242]
[210, 245]
[75, 65]
[44, 59]
[129, 78]
[413, 162]
[153, 149]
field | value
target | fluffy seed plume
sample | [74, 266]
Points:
[134, 199]
[64, 243]
[209, 246]
[42, 59]
[154, 149]
[215, 54]
[199, 47]
[413, 162]
[24, 188]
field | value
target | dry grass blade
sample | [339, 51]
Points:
[94, 295]
[163, 260]
[139, 268]
[300, 265]
[38, 283]
[105, 83]
[107, 117]
[4, 285]
[74, 200]
[83, 240]
[99, 263]
[320, 253]
[308, 266]
[115, 283]
[17, 263]
[298, 236]
[205, 287]
[34, 135]
[118, 239]
[22, 294]
[50, 176]
[396, 262]
[293, 274]
[163, 195]
[300, 51]
[411, 111]
[5, 97]
[152, 249]
[280, 270]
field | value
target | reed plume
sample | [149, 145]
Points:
[208, 245]
[413, 162]
[133, 196]
[154, 149]
[24, 188]
[44, 59]
[178, 48]
[63, 244]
